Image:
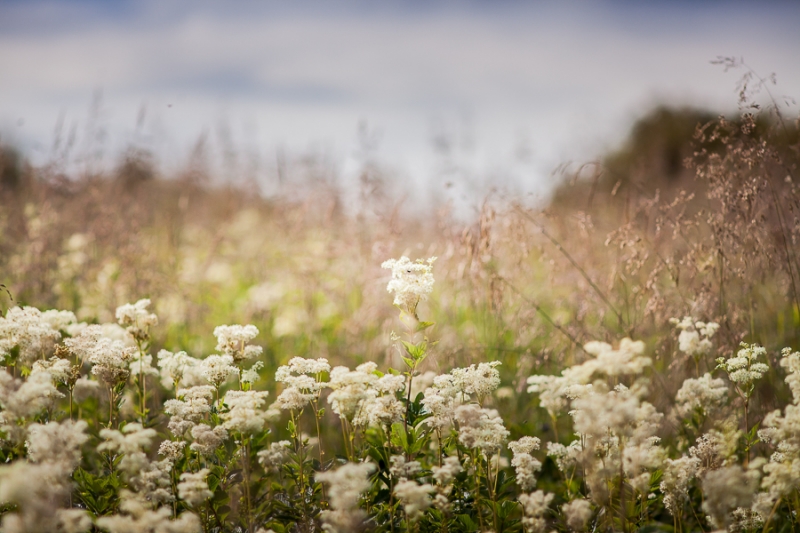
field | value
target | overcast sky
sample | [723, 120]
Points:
[514, 88]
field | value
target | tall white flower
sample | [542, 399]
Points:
[411, 281]
[414, 497]
[193, 487]
[245, 414]
[235, 341]
[346, 485]
[33, 332]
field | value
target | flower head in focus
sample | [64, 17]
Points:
[411, 282]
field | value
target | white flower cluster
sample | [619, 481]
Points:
[695, 336]
[34, 332]
[303, 381]
[525, 465]
[411, 281]
[556, 392]
[704, 394]
[244, 414]
[234, 341]
[744, 369]
[346, 485]
[110, 358]
[480, 428]
[449, 391]
[137, 319]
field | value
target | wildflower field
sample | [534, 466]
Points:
[180, 356]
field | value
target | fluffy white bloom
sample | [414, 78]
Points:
[292, 399]
[131, 442]
[678, 473]
[534, 507]
[299, 365]
[411, 281]
[695, 336]
[234, 341]
[73, 520]
[577, 512]
[218, 368]
[110, 358]
[244, 414]
[142, 364]
[401, 468]
[174, 366]
[706, 394]
[136, 315]
[445, 474]
[139, 517]
[381, 411]
[351, 389]
[791, 362]
[193, 487]
[172, 450]
[481, 379]
[525, 465]
[725, 490]
[275, 456]
[414, 497]
[21, 399]
[207, 439]
[57, 443]
[480, 428]
[36, 490]
[565, 457]
[59, 369]
[251, 374]
[346, 485]
[30, 330]
[715, 449]
[189, 408]
[744, 369]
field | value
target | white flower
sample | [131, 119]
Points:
[445, 474]
[480, 428]
[401, 468]
[137, 319]
[30, 330]
[218, 368]
[234, 341]
[744, 369]
[346, 485]
[174, 366]
[57, 443]
[251, 374]
[131, 442]
[139, 517]
[411, 282]
[725, 490]
[244, 414]
[706, 394]
[525, 465]
[172, 450]
[59, 369]
[207, 439]
[577, 512]
[414, 497]
[534, 507]
[275, 456]
[689, 339]
[193, 487]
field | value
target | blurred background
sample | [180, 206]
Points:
[452, 98]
